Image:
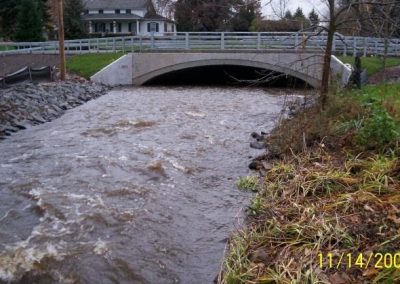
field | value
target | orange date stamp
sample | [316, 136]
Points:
[359, 260]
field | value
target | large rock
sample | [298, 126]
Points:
[26, 104]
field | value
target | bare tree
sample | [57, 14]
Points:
[164, 7]
[335, 19]
[279, 7]
[384, 22]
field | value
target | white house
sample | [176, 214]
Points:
[125, 17]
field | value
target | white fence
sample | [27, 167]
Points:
[204, 41]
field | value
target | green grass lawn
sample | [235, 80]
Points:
[87, 65]
[6, 47]
[372, 64]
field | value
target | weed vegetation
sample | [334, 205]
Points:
[330, 204]
[248, 183]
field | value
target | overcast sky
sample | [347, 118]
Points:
[306, 5]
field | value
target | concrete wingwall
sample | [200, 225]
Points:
[118, 73]
[139, 68]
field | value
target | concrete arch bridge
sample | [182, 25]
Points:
[140, 68]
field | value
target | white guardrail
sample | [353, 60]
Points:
[203, 41]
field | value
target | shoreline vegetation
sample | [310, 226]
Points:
[327, 202]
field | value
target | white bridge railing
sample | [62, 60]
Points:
[211, 41]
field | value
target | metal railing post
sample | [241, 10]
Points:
[80, 46]
[140, 43]
[132, 44]
[354, 46]
[123, 45]
[187, 45]
[258, 41]
[98, 45]
[296, 41]
[365, 47]
[113, 45]
[222, 41]
[152, 41]
[376, 47]
[344, 47]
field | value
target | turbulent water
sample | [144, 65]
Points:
[137, 186]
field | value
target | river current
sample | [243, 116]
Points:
[137, 186]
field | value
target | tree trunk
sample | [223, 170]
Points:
[386, 41]
[327, 56]
[61, 39]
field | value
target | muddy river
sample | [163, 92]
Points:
[137, 186]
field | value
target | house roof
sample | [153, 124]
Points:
[90, 17]
[117, 4]
[154, 16]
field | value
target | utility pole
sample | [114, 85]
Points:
[61, 38]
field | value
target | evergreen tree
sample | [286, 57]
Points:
[299, 15]
[73, 24]
[44, 10]
[314, 18]
[245, 15]
[288, 15]
[203, 15]
[8, 14]
[184, 15]
[29, 22]
[9, 10]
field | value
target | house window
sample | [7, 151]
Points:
[96, 28]
[152, 27]
[102, 27]
[119, 27]
[86, 12]
[117, 11]
[101, 11]
[165, 27]
[173, 28]
[111, 28]
[128, 11]
[132, 28]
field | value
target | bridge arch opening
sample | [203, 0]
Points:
[226, 75]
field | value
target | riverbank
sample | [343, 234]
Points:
[26, 104]
[327, 203]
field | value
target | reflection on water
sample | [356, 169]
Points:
[137, 186]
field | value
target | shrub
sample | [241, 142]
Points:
[379, 130]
